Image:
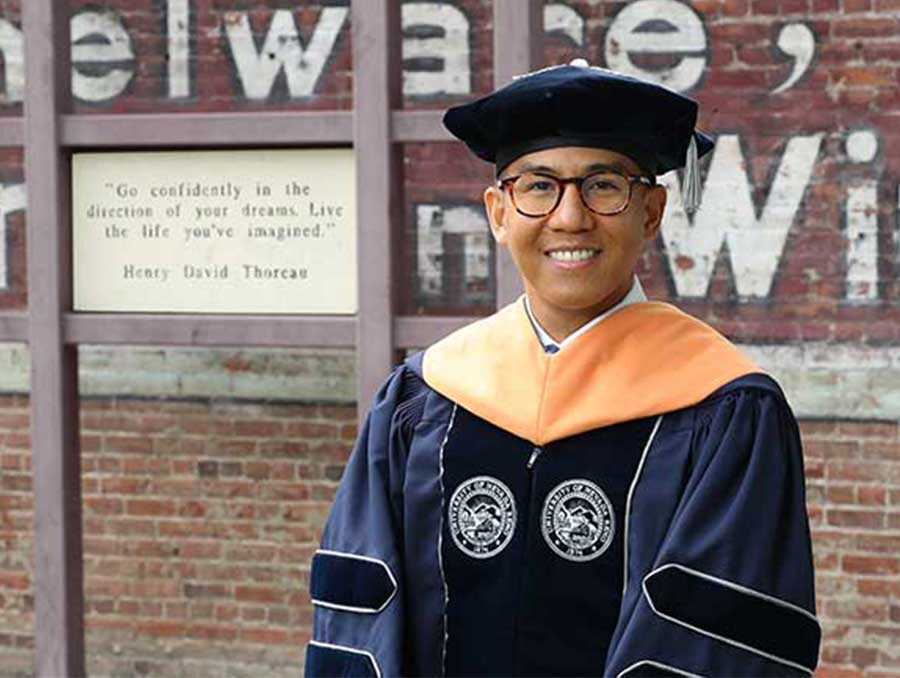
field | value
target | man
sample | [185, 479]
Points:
[585, 483]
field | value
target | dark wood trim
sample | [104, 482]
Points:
[13, 326]
[518, 27]
[55, 455]
[379, 185]
[200, 130]
[414, 126]
[186, 130]
[210, 330]
[12, 132]
[421, 331]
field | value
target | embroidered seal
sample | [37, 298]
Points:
[577, 520]
[482, 516]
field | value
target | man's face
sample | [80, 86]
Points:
[565, 283]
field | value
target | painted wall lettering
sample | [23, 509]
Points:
[797, 42]
[862, 221]
[435, 49]
[282, 50]
[12, 47]
[102, 58]
[560, 18]
[727, 214]
[443, 230]
[12, 199]
[178, 23]
[658, 27]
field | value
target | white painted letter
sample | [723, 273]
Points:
[563, 19]
[658, 27]
[449, 52]
[862, 222]
[727, 214]
[433, 222]
[282, 50]
[13, 61]
[799, 43]
[178, 21]
[116, 49]
[12, 199]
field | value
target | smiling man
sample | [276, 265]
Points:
[586, 483]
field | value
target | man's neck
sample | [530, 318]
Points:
[561, 323]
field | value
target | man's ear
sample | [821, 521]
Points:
[495, 207]
[655, 203]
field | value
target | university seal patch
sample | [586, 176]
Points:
[482, 516]
[577, 520]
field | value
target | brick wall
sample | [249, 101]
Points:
[200, 519]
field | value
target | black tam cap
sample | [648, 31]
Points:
[581, 105]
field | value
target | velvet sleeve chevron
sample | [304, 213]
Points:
[726, 588]
[356, 576]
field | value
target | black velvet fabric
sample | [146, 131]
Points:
[331, 662]
[732, 614]
[349, 582]
[580, 106]
[648, 669]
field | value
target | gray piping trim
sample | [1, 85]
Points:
[350, 608]
[352, 650]
[736, 587]
[659, 665]
[634, 482]
[441, 542]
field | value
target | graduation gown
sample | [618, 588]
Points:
[630, 506]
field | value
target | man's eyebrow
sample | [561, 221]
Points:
[594, 167]
[529, 167]
[614, 166]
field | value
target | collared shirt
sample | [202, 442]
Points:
[635, 294]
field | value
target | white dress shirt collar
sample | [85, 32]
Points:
[635, 294]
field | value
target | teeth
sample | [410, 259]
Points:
[572, 255]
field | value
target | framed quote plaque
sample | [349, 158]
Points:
[243, 231]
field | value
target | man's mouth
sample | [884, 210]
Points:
[573, 255]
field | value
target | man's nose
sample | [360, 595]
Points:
[570, 214]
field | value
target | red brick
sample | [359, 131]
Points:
[871, 565]
[846, 518]
[258, 429]
[857, 610]
[226, 612]
[868, 429]
[868, 27]
[253, 614]
[128, 444]
[826, 561]
[163, 628]
[199, 549]
[150, 507]
[866, 76]
[864, 471]
[881, 451]
[872, 496]
[840, 494]
[15, 580]
[878, 587]
[834, 672]
[264, 636]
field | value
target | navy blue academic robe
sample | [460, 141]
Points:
[675, 544]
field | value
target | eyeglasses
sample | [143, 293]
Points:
[607, 192]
